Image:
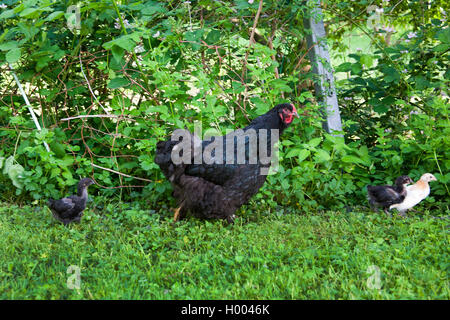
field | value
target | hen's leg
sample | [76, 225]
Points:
[176, 216]
[230, 219]
[179, 213]
[373, 206]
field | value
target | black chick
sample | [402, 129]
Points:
[70, 209]
[385, 196]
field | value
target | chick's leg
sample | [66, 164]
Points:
[387, 212]
[402, 213]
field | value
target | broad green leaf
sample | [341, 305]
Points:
[15, 172]
[13, 55]
[7, 14]
[8, 162]
[213, 37]
[55, 172]
[344, 67]
[444, 35]
[293, 152]
[391, 74]
[126, 43]
[67, 175]
[194, 38]
[54, 15]
[366, 60]
[351, 159]
[303, 154]
[281, 85]
[381, 108]
[58, 149]
[442, 47]
[118, 83]
[8, 45]
[322, 155]
[315, 142]
[28, 12]
[117, 53]
[152, 7]
[356, 68]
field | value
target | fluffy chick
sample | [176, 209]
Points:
[415, 193]
[385, 196]
[70, 209]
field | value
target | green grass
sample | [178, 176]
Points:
[131, 253]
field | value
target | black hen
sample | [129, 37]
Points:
[70, 209]
[385, 196]
[217, 187]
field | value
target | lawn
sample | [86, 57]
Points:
[135, 253]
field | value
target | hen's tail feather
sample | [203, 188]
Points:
[371, 192]
[163, 157]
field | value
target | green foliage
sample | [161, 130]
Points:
[105, 93]
[13, 170]
[398, 105]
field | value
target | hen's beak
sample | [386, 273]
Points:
[294, 111]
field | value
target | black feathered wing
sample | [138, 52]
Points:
[384, 195]
[62, 205]
[240, 148]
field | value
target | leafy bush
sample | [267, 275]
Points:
[134, 71]
[397, 101]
